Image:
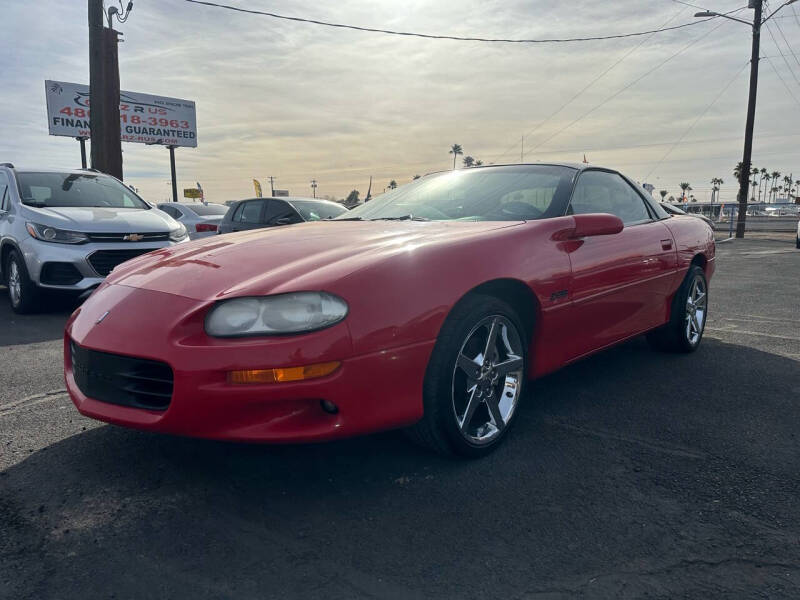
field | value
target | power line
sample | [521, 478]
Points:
[783, 81]
[788, 45]
[446, 37]
[589, 85]
[697, 120]
[627, 86]
[783, 56]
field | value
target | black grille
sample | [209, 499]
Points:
[158, 236]
[122, 380]
[59, 273]
[103, 261]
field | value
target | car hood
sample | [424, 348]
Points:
[103, 220]
[280, 259]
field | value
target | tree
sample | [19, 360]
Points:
[478, 163]
[737, 170]
[352, 199]
[392, 184]
[775, 175]
[663, 194]
[754, 185]
[468, 161]
[416, 177]
[685, 187]
[456, 150]
[763, 179]
[715, 183]
[671, 199]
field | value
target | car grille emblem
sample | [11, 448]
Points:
[103, 316]
[133, 237]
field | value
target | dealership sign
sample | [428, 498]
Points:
[144, 119]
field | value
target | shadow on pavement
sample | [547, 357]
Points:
[629, 474]
[48, 324]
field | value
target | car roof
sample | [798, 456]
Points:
[569, 165]
[190, 204]
[52, 170]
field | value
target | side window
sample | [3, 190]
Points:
[237, 214]
[167, 209]
[250, 212]
[5, 200]
[281, 213]
[602, 192]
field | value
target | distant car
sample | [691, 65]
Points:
[256, 213]
[200, 219]
[67, 230]
[674, 210]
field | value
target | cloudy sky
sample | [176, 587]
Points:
[300, 101]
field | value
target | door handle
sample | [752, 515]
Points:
[666, 244]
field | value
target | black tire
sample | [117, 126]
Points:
[439, 428]
[26, 298]
[675, 336]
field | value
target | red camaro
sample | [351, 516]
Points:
[427, 308]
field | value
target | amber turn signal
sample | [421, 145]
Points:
[283, 375]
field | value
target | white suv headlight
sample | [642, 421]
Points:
[275, 315]
[51, 234]
[179, 234]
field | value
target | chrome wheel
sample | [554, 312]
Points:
[696, 309]
[14, 283]
[487, 379]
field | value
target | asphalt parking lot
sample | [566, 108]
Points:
[630, 474]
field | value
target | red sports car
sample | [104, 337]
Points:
[427, 308]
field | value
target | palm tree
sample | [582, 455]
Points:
[455, 150]
[715, 183]
[754, 184]
[763, 172]
[737, 170]
[684, 186]
[663, 194]
[392, 184]
[468, 161]
[478, 163]
[671, 199]
[775, 175]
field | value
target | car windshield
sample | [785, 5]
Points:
[315, 210]
[508, 193]
[76, 189]
[208, 210]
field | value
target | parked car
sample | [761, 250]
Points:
[674, 210]
[429, 308]
[256, 213]
[66, 231]
[200, 219]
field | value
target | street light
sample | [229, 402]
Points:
[744, 174]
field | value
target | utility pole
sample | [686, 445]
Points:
[271, 186]
[744, 173]
[172, 170]
[106, 148]
[314, 187]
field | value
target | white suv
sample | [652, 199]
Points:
[66, 230]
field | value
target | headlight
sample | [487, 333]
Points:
[275, 315]
[51, 234]
[179, 234]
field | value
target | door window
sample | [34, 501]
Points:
[603, 192]
[171, 211]
[281, 213]
[249, 212]
[4, 192]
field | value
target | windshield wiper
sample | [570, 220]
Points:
[345, 219]
[401, 218]
[33, 203]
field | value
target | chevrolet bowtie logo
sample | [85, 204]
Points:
[133, 237]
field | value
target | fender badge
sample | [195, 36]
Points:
[103, 316]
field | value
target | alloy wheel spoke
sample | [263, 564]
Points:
[491, 340]
[514, 363]
[700, 299]
[493, 404]
[469, 366]
[469, 411]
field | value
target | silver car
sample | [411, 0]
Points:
[66, 230]
[201, 219]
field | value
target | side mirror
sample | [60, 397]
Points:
[596, 224]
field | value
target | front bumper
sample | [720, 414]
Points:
[373, 392]
[38, 253]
